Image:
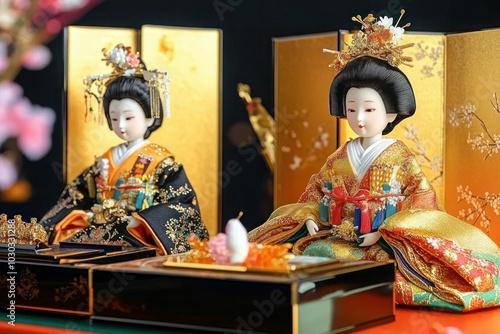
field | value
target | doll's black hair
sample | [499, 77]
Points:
[135, 88]
[389, 81]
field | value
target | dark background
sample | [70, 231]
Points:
[248, 29]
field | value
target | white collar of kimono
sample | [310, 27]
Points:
[122, 152]
[362, 159]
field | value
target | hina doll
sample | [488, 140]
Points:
[135, 194]
[371, 200]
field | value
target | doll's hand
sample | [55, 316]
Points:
[312, 227]
[370, 238]
[132, 222]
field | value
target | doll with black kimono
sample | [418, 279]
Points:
[136, 193]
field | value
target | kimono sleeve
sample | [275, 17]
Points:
[175, 213]
[77, 195]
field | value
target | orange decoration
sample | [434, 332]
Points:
[199, 253]
[267, 256]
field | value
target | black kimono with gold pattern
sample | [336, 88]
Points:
[148, 185]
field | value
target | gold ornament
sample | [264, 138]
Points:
[21, 233]
[376, 39]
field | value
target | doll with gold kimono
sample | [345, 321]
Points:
[135, 194]
[371, 200]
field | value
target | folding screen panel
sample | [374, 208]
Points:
[472, 150]
[306, 133]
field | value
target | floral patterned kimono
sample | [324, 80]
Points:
[144, 182]
[441, 261]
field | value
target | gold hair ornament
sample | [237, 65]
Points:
[126, 63]
[376, 39]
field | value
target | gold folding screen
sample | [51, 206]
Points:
[472, 152]
[306, 133]
[192, 133]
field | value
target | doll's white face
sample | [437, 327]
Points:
[128, 120]
[366, 113]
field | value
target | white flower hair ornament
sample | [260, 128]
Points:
[123, 60]
[126, 63]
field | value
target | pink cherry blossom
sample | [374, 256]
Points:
[21, 5]
[34, 138]
[52, 6]
[31, 125]
[8, 173]
[10, 117]
[36, 58]
[9, 92]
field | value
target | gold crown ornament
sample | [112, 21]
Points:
[17, 231]
[126, 63]
[375, 39]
